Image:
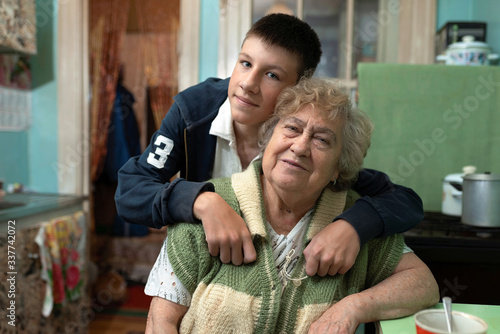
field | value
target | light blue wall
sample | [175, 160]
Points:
[453, 10]
[43, 134]
[489, 11]
[26, 156]
[473, 10]
[209, 38]
[14, 157]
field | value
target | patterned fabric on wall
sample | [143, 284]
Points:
[62, 243]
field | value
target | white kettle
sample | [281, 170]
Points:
[452, 192]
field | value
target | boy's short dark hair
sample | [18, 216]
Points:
[293, 35]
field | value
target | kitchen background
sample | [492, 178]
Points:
[431, 120]
[38, 157]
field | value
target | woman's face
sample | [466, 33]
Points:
[303, 152]
[260, 74]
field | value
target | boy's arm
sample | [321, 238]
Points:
[145, 195]
[227, 235]
[390, 209]
[384, 208]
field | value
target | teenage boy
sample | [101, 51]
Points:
[211, 131]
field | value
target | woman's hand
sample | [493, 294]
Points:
[333, 250]
[410, 288]
[226, 233]
[338, 319]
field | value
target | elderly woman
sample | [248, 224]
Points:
[313, 148]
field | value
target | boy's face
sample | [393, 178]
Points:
[261, 73]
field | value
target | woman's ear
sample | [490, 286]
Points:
[335, 176]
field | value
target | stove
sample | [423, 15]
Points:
[450, 230]
[465, 260]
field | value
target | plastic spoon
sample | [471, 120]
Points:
[447, 312]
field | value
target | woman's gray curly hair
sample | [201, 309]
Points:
[331, 99]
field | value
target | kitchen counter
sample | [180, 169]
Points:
[30, 208]
[31, 261]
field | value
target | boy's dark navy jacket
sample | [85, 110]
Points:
[146, 196]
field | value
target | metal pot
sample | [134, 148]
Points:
[481, 200]
[468, 52]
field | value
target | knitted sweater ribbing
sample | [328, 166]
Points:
[249, 298]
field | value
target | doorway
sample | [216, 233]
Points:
[133, 57]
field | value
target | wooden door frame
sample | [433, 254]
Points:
[189, 43]
[73, 98]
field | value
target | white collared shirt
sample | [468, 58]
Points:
[226, 161]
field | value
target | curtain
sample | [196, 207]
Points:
[108, 22]
[158, 20]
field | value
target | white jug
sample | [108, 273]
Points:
[452, 192]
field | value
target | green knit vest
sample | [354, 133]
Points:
[249, 298]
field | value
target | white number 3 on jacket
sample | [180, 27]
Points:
[164, 146]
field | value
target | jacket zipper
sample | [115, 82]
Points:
[186, 153]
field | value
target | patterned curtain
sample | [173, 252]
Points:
[158, 20]
[108, 22]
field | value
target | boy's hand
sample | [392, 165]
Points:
[226, 233]
[333, 250]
